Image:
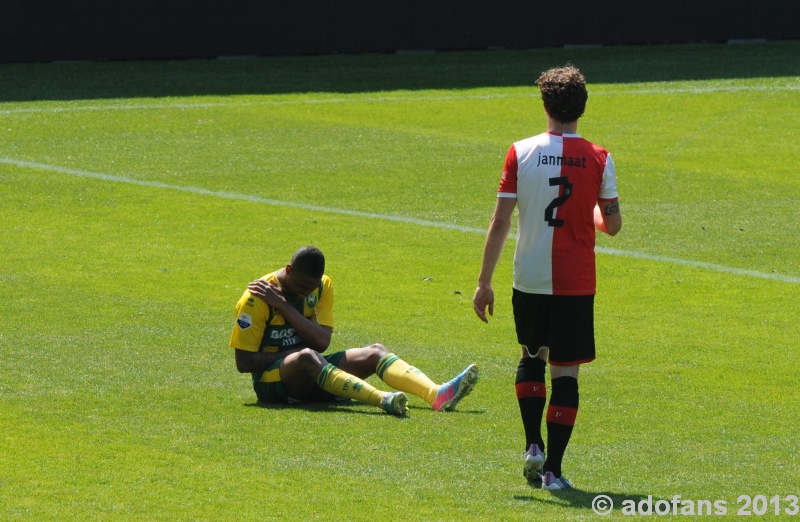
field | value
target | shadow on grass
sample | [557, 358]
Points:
[319, 407]
[348, 406]
[580, 499]
[389, 72]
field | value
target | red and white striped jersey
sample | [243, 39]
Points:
[557, 179]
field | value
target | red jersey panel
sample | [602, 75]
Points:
[557, 180]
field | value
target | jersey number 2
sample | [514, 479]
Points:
[550, 211]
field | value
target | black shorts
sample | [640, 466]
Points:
[562, 323]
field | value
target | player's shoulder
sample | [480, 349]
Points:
[251, 304]
[533, 141]
[272, 277]
[596, 147]
[599, 148]
[589, 148]
[602, 155]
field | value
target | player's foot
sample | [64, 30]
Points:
[450, 393]
[549, 481]
[395, 403]
[534, 461]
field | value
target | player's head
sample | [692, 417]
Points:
[305, 270]
[309, 260]
[563, 93]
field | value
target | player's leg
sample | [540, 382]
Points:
[302, 370]
[530, 317]
[572, 334]
[561, 414]
[400, 375]
[361, 362]
[299, 372]
[531, 392]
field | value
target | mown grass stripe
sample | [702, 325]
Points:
[371, 215]
[644, 90]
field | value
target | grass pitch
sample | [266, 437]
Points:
[138, 199]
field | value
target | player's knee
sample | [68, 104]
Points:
[308, 359]
[378, 349]
[309, 355]
[564, 371]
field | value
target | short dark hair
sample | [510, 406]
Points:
[309, 260]
[563, 93]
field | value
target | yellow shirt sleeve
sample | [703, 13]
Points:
[251, 320]
[324, 307]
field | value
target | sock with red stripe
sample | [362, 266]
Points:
[561, 415]
[531, 396]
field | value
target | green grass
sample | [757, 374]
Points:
[119, 398]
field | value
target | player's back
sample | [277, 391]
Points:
[558, 183]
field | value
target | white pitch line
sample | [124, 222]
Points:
[372, 215]
[234, 195]
[698, 264]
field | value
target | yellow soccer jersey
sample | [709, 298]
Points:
[259, 327]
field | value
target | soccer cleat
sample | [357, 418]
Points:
[534, 461]
[549, 481]
[453, 391]
[395, 403]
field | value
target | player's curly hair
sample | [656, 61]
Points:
[563, 93]
[309, 260]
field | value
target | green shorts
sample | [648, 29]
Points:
[269, 388]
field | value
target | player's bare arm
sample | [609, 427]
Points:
[496, 238]
[607, 217]
[316, 336]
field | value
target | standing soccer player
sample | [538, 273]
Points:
[565, 187]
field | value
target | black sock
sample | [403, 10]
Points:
[561, 415]
[531, 396]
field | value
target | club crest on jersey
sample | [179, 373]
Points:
[244, 321]
[311, 301]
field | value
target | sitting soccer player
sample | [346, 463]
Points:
[283, 324]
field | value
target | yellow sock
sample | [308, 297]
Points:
[398, 374]
[338, 382]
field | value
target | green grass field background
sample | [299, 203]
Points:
[138, 199]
